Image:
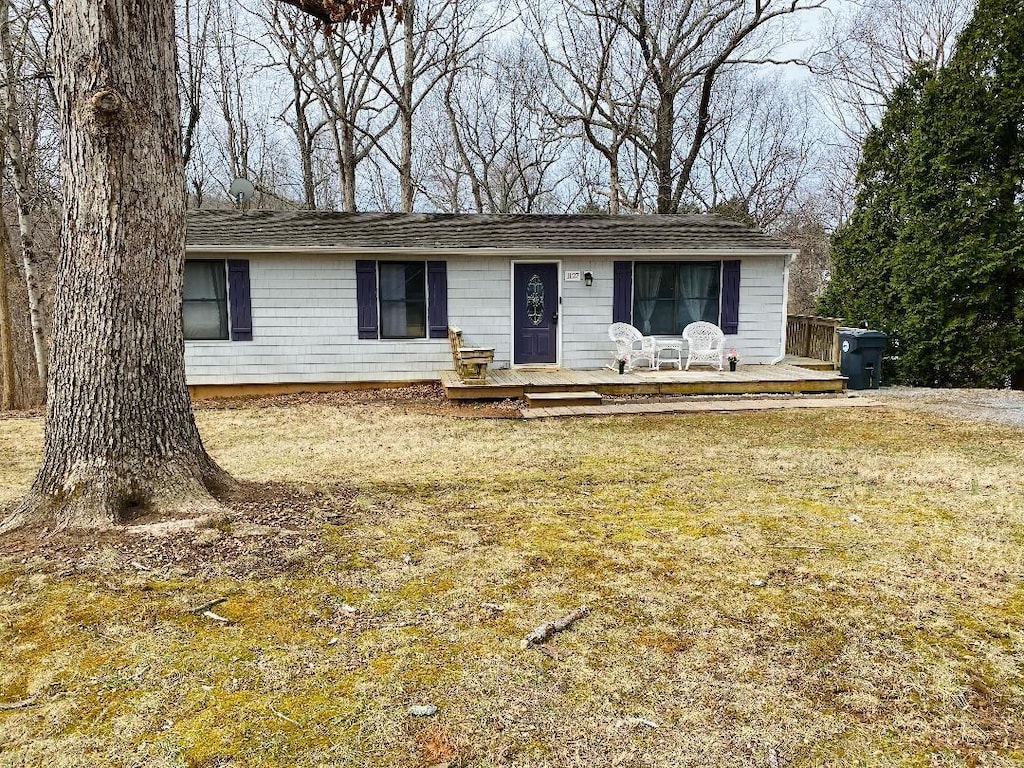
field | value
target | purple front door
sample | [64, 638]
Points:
[535, 319]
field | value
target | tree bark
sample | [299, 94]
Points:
[405, 106]
[8, 399]
[664, 132]
[305, 140]
[343, 132]
[120, 437]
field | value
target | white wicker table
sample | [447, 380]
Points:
[668, 349]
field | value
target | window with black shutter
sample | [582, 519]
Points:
[669, 295]
[216, 302]
[403, 300]
[205, 304]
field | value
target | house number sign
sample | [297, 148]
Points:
[573, 277]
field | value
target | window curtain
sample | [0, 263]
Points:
[648, 283]
[204, 310]
[697, 289]
[393, 317]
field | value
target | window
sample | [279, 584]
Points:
[205, 305]
[669, 295]
[216, 303]
[403, 300]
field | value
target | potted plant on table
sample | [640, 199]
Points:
[733, 358]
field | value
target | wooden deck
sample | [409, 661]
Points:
[747, 379]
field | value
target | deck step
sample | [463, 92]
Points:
[561, 399]
[705, 406]
[810, 364]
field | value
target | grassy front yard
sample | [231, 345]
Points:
[790, 588]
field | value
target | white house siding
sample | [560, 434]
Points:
[762, 309]
[304, 320]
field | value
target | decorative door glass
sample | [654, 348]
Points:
[535, 300]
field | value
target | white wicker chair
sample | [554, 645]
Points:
[631, 345]
[706, 341]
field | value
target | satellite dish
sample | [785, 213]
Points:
[241, 190]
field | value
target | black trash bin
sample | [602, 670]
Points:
[861, 357]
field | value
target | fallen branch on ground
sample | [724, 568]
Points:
[283, 716]
[207, 606]
[545, 631]
[23, 704]
[217, 617]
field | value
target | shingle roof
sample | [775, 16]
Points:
[306, 229]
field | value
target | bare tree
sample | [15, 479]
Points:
[117, 316]
[228, 88]
[21, 67]
[759, 154]
[437, 37]
[500, 139]
[873, 47]
[806, 228]
[866, 51]
[304, 123]
[7, 367]
[120, 436]
[342, 72]
[194, 44]
[598, 75]
[686, 47]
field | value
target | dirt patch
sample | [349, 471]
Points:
[415, 398]
[268, 529]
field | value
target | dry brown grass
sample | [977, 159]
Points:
[896, 641]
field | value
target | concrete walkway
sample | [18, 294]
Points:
[702, 406]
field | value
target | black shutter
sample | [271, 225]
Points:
[730, 297]
[366, 299]
[239, 300]
[437, 299]
[622, 292]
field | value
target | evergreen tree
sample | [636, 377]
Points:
[934, 253]
[861, 289]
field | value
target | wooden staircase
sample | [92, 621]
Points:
[812, 342]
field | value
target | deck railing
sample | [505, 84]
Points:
[813, 337]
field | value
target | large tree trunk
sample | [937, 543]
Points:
[120, 436]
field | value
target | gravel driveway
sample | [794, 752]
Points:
[999, 405]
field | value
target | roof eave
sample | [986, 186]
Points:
[581, 252]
